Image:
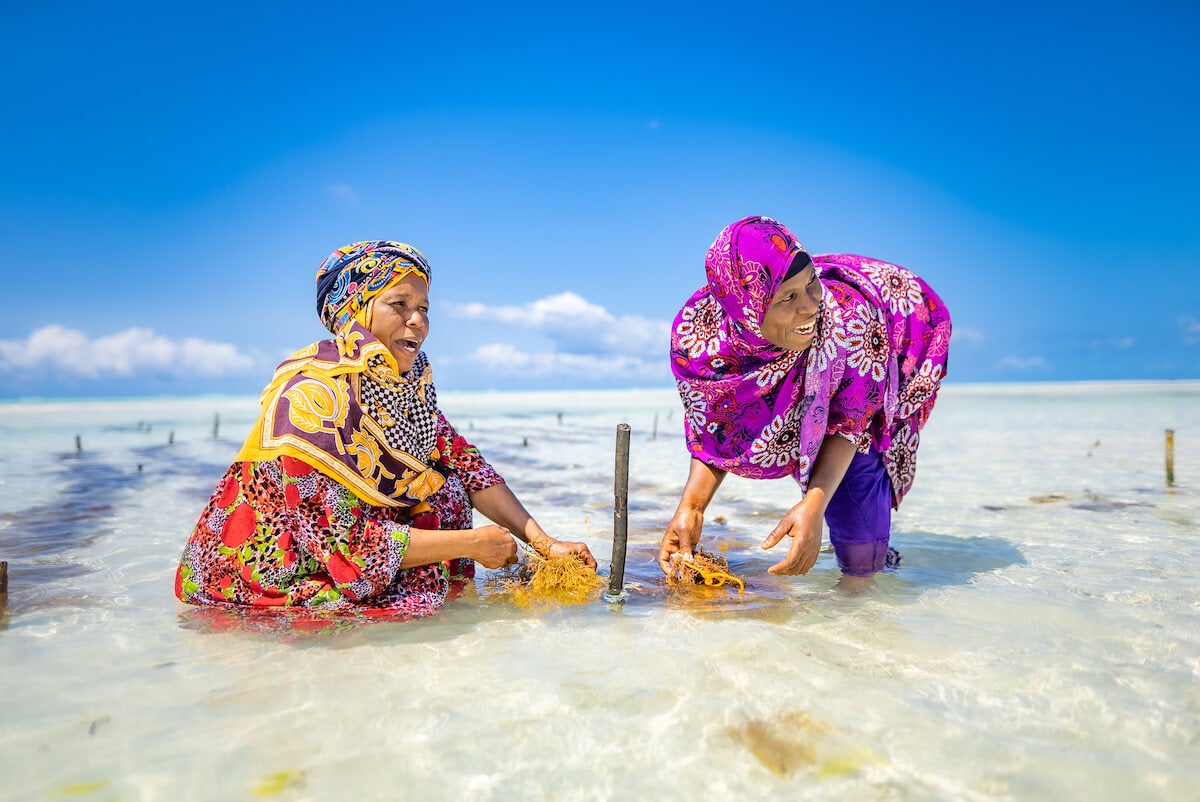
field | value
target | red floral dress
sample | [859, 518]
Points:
[279, 533]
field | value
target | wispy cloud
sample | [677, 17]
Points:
[1024, 363]
[1113, 343]
[342, 192]
[578, 326]
[963, 335]
[135, 351]
[1191, 330]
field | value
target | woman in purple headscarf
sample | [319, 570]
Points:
[353, 493]
[822, 368]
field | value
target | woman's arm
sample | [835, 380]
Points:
[490, 546]
[498, 503]
[804, 522]
[683, 531]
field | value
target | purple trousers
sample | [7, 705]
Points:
[860, 516]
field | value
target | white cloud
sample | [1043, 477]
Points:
[126, 353]
[506, 359]
[578, 326]
[1024, 363]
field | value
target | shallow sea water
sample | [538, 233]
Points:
[1040, 641]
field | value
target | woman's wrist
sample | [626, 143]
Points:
[814, 503]
[538, 538]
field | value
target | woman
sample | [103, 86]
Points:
[352, 491]
[820, 368]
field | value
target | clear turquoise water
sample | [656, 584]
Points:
[1040, 641]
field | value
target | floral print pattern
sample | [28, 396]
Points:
[871, 374]
[279, 533]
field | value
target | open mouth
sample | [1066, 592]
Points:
[807, 329]
[411, 345]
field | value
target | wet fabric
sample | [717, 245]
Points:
[280, 533]
[859, 516]
[871, 374]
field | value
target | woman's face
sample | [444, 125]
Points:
[791, 319]
[400, 319]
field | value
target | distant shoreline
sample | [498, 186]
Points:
[955, 387]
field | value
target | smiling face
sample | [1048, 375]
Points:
[400, 319]
[791, 319]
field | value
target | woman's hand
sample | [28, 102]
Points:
[499, 504]
[803, 524]
[492, 546]
[561, 548]
[683, 531]
[682, 537]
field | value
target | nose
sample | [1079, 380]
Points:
[812, 300]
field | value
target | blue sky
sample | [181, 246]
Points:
[173, 176]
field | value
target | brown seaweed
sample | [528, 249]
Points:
[705, 570]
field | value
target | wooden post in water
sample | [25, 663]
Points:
[1170, 457]
[3, 577]
[616, 573]
[78, 443]
[216, 424]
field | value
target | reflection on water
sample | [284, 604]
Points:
[1039, 640]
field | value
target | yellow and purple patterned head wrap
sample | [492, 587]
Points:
[354, 274]
[342, 405]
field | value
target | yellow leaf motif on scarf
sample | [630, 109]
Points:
[347, 343]
[369, 456]
[425, 383]
[425, 484]
[316, 406]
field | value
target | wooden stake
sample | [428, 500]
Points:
[1170, 457]
[3, 577]
[216, 424]
[616, 574]
[78, 443]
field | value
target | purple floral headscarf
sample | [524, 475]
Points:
[871, 374]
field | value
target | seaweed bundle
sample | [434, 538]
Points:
[548, 580]
[704, 570]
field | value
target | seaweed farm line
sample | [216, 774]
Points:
[1040, 639]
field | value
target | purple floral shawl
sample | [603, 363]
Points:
[871, 375]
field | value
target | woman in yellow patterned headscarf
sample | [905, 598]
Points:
[352, 490]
